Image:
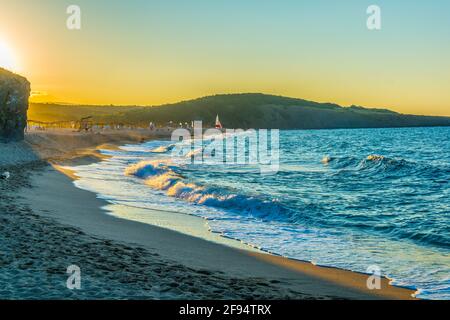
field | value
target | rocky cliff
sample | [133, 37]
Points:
[14, 94]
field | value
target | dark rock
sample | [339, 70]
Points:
[14, 94]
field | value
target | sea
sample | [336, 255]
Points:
[358, 199]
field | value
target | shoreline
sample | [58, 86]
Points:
[53, 195]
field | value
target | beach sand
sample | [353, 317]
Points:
[47, 224]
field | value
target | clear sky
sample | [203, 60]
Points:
[150, 52]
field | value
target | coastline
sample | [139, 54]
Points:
[51, 194]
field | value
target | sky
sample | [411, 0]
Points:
[150, 52]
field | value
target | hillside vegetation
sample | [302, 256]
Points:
[241, 111]
[62, 112]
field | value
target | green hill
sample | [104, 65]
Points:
[48, 112]
[243, 111]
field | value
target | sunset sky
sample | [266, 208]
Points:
[150, 52]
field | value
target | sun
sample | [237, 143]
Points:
[7, 60]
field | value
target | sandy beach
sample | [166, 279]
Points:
[48, 224]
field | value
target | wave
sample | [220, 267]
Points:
[381, 163]
[374, 163]
[326, 160]
[163, 176]
[386, 167]
[163, 149]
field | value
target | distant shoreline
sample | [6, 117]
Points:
[240, 111]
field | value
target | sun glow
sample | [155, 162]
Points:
[7, 59]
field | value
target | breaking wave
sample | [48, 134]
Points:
[164, 176]
[375, 163]
[163, 149]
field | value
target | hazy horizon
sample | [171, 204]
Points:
[150, 53]
[68, 103]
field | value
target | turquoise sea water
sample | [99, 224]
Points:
[343, 198]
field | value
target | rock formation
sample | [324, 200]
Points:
[14, 94]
